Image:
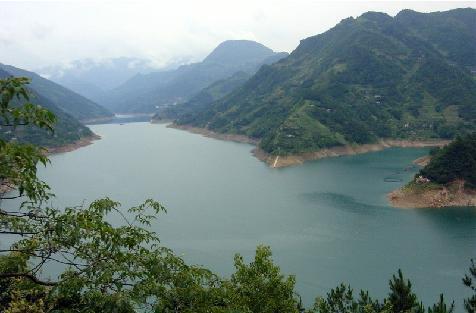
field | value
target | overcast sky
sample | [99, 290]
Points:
[37, 34]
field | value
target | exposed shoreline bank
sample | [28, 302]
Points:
[296, 159]
[211, 134]
[454, 195]
[277, 161]
[83, 142]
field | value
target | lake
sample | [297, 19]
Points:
[327, 221]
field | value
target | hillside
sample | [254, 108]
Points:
[68, 101]
[94, 78]
[185, 111]
[449, 179]
[145, 92]
[68, 130]
[367, 78]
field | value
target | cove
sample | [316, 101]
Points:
[327, 221]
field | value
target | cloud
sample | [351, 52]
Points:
[37, 34]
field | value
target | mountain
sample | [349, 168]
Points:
[202, 99]
[93, 78]
[210, 94]
[145, 92]
[67, 129]
[367, 78]
[70, 102]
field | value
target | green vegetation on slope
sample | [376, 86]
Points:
[201, 100]
[68, 101]
[367, 78]
[144, 93]
[185, 111]
[456, 161]
[67, 129]
[123, 268]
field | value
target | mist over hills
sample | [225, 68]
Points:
[94, 78]
[70, 102]
[145, 92]
[367, 78]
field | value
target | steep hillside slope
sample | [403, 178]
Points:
[367, 78]
[185, 111]
[145, 93]
[70, 102]
[67, 129]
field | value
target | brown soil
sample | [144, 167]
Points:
[289, 160]
[4, 188]
[422, 161]
[454, 195]
[86, 141]
[212, 134]
[296, 159]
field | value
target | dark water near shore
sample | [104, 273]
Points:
[327, 221]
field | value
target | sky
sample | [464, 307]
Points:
[38, 34]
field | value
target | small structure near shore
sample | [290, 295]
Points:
[422, 180]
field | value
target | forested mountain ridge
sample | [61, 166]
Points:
[367, 78]
[202, 99]
[208, 95]
[68, 101]
[67, 129]
[145, 92]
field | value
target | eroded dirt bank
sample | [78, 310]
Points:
[86, 141]
[277, 161]
[454, 195]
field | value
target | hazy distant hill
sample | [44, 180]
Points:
[145, 92]
[210, 94]
[367, 78]
[70, 102]
[93, 78]
[67, 129]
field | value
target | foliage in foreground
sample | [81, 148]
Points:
[122, 268]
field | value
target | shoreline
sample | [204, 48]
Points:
[278, 161]
[97, 120]
[211, 134]
[83, 142]
[297, 159]
[454, 195]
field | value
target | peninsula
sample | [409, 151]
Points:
[448, 180]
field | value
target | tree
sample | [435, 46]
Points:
[260, 287]
[341, 300]
[401, 296]
[441, 306]
[123, 268]
[468, 280]
[107, 268]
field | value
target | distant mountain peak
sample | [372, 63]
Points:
[377, 17]
[229, 51]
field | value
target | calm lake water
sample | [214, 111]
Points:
[327, 221]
